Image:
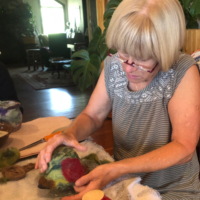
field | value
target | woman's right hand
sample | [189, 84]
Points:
[44, 156]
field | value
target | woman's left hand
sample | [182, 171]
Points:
[96, 179]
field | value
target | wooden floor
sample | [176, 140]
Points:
[67, 102]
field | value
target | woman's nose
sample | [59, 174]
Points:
[129, 67]
[130, 61]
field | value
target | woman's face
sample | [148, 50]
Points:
[135, 74]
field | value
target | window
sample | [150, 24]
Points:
[53, 19]
[74, 17]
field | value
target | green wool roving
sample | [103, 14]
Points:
[66, 167]
[8, 156]
[53, 177]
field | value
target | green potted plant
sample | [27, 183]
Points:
[17, 17]
[16, 22]
[86, 64]
[191, 10]
[27, 24]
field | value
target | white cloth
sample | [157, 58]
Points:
[128, 187]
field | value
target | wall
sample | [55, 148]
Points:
[35, 4]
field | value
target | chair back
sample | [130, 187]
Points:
[58, 45]
[44, 40]
[57, 40]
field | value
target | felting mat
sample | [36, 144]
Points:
[26, 189]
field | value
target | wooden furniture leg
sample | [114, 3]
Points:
[28, 58]
[42, 63]
[53, 68]
[58, 70]
[66, 68]
[34, 59]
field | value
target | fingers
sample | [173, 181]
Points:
[71, 141]
[79, 189]
[89, 182]
[40, 162]
[75, 197]
[84, 180]
[45, 154]
[36, 164]
[80, 195]
[78, 146]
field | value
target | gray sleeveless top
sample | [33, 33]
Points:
[141, 124]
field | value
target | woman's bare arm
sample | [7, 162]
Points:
[184, 113]
[94, 114]
[84, 125]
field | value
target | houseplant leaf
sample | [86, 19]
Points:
[87, 68]
[110, 9]
[81, 54]
[96, 61]
[86, 71]
[195, 8]
[95, 41]
[107, 22]
[108, 13]
[76, 64]
[186, 4]
[103, 48]
[113, 4]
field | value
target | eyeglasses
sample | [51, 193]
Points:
[138, 67]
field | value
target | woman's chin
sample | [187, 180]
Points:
[133, 78]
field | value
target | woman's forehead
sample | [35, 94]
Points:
[126, 56]
[137, 56]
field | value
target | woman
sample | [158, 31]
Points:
[6, 85]
[7, 88]
[153, 91]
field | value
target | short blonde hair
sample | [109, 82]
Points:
[148, 29]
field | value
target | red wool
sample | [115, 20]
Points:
[105, 198]
[72, 169]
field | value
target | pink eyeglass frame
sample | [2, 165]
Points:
[132, 64]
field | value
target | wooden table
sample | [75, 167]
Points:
[34, 58]
[38, 128]
[30, 132]
[57, 62]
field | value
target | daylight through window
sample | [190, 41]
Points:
[52, 17]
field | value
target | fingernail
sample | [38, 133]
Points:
[42, 169]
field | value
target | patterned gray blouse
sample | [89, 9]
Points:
[141, 124]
